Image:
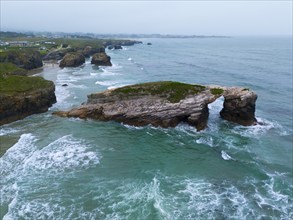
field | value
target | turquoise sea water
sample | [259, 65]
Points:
[59, 168]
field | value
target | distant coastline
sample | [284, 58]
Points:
[101, 36]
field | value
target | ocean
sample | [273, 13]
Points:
[65, 168]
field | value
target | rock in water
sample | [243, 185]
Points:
[72, 60]
[118, 47]
[239, 106]
[101, 59]
[164, 104]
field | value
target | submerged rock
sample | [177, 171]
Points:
[72, 60]
[164, 104]
[101, 59]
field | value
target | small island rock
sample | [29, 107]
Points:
[101, 59]
[164, 104]
[72, 60]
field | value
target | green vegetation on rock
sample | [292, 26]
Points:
[80, 43]
[217, 91]
[10, 69]
[174, 91]
[11, 85]
[24, 58]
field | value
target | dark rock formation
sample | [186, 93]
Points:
[115, 47]
[101, 59]
[110, 47]
[89, 51]
[17, 105]
[121, 42]
[149, 43]
[57, 54]
[65, 84]
[72, 60]
[27, 58]
[164, 104]
[239, 106]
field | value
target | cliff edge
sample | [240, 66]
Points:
[21, 96]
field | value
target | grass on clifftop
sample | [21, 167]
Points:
[10, 69]
[11, 85]
[217, 91]
[174, 91]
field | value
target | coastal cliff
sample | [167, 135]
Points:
[27, 59]
[21, 96]
[164, 104]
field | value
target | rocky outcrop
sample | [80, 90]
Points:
[164, 104]
[115, 47]
[57, 54]
[101, 59]
[239, 106]
[27, 58]
[121, 42]
[89, 51]
[18, 105]
[72, 60]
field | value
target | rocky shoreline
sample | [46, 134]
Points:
[18, 105]
[166, 104]
[21, 95]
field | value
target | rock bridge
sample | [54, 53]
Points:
[167, 104]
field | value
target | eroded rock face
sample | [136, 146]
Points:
[26, 59]
[57, 54]
[18, 106]
[239, 106]
[89, 51]
[101, 59]
[165, 104]
[72, 60]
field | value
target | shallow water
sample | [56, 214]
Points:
[57, 168]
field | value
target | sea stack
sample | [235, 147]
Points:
[101, 59]
[72, 60]
[239, 106]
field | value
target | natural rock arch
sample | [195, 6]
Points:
[166, 104]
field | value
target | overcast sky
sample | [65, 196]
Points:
[164, 17]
